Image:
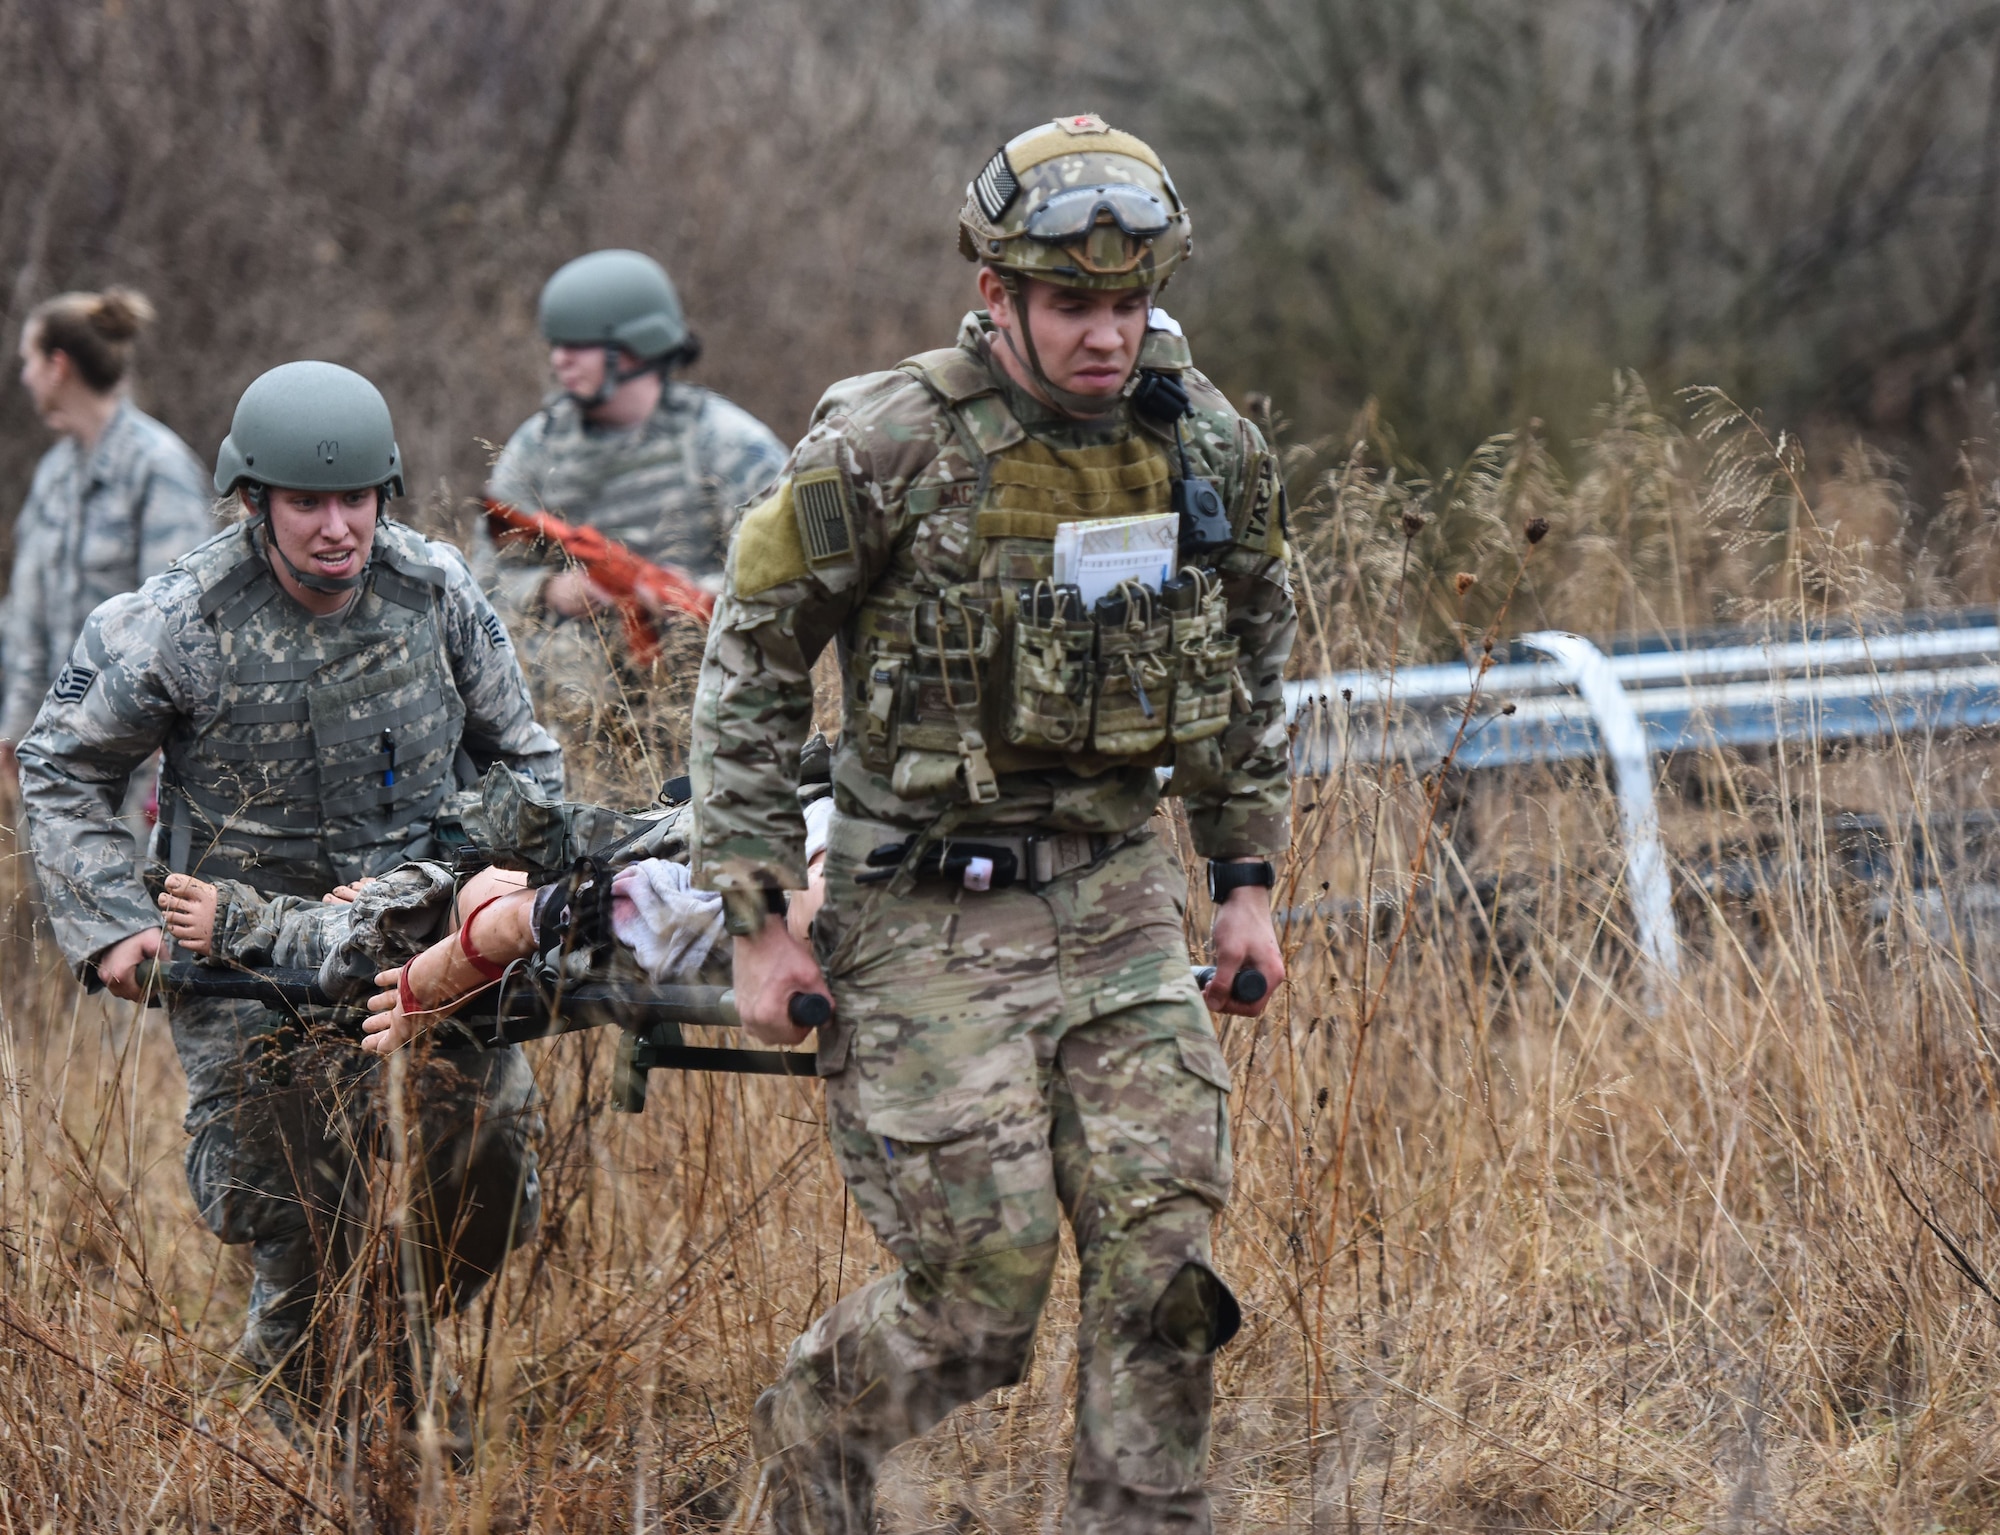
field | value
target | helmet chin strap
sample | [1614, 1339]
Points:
[616, 377]
[311, 580]
[1085, 406]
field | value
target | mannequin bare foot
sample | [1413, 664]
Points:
[498, 930]
[188, 905]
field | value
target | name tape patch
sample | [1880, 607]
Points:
[73, 682]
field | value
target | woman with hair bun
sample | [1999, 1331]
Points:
[117, 499]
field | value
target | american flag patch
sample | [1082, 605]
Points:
[995, 186]
[495, 635]
[73, 682]
[820, 500]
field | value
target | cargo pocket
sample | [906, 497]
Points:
[1209, 1156]
[969, 1178]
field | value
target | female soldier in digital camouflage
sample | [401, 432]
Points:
[1017, 1037]
[116, 501]
[318, 678]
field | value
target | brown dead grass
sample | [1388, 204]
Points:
[1565, 1264]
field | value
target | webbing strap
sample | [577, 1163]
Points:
[288, 711]
[180, 829]
[294, 750]
[336, 732]
[297, 669]
[375, 759]
[392, 586]
[1036, 487]
[389, 545]
[233, 581]
[371, 836]
[223, 813]
[376, 796]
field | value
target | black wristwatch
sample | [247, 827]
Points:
[1225, 877]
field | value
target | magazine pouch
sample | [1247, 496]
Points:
[1049, 670]
[1204, 656]
[1135, 672]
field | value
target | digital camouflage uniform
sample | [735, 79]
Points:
[392, 919]
[298, 753]
[94, 525]
[668, 489]
[999, 1061]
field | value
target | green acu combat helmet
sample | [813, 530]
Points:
[614, 299]
[1077, 203]
[310, 426]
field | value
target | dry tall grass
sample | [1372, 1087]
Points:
[1516, 1253]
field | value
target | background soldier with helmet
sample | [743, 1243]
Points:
[1017, 1037]
[113, 503]
[318, 678]
[621, 446]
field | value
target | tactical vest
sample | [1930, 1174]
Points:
[967, 661]
[334, 740]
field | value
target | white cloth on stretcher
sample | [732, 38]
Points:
[670, 927]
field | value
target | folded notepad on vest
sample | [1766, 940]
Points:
[1095, 556]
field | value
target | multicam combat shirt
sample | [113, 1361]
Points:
[889, 501]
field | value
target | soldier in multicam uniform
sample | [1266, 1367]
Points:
[622, 446]
[318, 679]
[112, 504]
[1017, 1037]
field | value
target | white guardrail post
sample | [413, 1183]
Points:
[1623, 737]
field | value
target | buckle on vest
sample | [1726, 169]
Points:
[981, 785]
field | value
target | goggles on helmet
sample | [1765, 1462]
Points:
[1071, 214]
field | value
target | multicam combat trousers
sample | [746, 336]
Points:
[286, 1136]
[999, 1062]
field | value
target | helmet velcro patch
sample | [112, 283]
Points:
[995, 186]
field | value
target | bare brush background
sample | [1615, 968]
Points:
[1469, 210]
[1515, 1253]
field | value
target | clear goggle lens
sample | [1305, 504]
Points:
[1072, 214]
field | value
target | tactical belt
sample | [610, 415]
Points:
[991, 860]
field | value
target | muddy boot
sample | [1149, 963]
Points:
[808, 1485]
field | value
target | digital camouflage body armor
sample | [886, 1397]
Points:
[336, 740]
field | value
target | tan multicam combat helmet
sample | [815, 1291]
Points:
[1077, 203]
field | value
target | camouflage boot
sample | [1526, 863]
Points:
[806, 1484]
